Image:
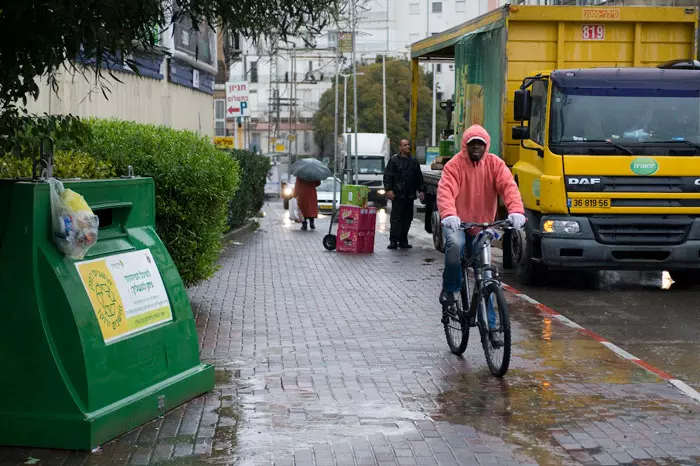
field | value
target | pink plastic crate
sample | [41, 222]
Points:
[369, 219]
[350, 217]
[368, 244]
[350, 241]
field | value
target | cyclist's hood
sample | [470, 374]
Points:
[475, 131]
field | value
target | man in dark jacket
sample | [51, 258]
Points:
[402, 178]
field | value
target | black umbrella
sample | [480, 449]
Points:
[310, 169]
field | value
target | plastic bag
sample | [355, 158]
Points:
[294, 212]
[73, 222]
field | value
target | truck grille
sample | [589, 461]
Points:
[641, 231]
[632, 184]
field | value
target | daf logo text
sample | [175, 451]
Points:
[587, 180]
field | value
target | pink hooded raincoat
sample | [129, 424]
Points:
[470, 190]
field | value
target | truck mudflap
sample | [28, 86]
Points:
[621, 242]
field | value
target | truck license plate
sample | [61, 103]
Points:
[590, 203]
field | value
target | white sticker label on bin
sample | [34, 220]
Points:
[126, 292]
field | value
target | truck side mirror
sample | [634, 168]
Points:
[521, 105]
[521, 133]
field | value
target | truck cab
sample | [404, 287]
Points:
[373, 153]
[609, 170]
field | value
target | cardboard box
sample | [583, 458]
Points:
[350, 241]
[351, 217]
[356, 195]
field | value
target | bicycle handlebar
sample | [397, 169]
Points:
[499, 223]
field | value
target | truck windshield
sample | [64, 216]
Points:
[648, 120]
[370, 165]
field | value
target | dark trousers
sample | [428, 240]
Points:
[401, 218]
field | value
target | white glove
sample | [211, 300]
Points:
[451, 223]
[517, 220]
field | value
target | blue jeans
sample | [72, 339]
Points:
[456, 244]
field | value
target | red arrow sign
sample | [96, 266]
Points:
[233, 110]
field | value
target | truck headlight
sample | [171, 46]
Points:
[568, 227]
[288, 191]
[381, 192]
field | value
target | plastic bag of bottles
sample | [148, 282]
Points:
[73, 221]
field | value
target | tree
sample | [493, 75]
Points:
[369, 106]
[38, 38]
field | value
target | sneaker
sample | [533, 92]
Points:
[447, 299]
[496, 338]
[393, 245]
[405, 246]
[445, 316]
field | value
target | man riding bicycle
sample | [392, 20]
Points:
[468, 191]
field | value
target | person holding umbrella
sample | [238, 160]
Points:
[309, 173]
[305, 192]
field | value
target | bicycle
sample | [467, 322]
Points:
[487, 290]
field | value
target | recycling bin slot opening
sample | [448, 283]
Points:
[112, 216]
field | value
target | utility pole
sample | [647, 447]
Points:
[384, 67]
[427, 34]
[345, 98]
[295, 102]
[354, 88]
[335, 132]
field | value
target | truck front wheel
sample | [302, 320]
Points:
[526, 271]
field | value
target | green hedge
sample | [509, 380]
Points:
[194, 180]
[67, 164]
[251, 195]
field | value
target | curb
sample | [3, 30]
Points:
[240, 231]
[679, 384]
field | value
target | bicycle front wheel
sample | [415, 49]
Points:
[456, 323]
[495, 332]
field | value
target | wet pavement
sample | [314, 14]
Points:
[331, 359]
[642, 312]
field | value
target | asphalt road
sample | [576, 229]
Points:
[642, 312]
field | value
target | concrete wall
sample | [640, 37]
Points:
[139, 99]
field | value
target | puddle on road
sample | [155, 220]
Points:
[561, 381]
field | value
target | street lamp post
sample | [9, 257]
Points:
[345, 98]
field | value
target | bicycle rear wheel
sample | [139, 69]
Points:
[455, 322]
[496, 339]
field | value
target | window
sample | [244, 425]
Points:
[414, 8]
[538, 111]
[199, 44]
[438, 96]
[332, 39]
[438, 68]
[437, 7]
[452, 67]
[220, 117]
[370, 165]
[254, 72]
[460, 6]
[255, 143]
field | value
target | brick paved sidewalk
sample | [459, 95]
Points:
[331, 359]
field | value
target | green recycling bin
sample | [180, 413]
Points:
[90, 349]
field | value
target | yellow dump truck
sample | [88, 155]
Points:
[600, 129]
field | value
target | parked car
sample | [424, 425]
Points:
[324, 193]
